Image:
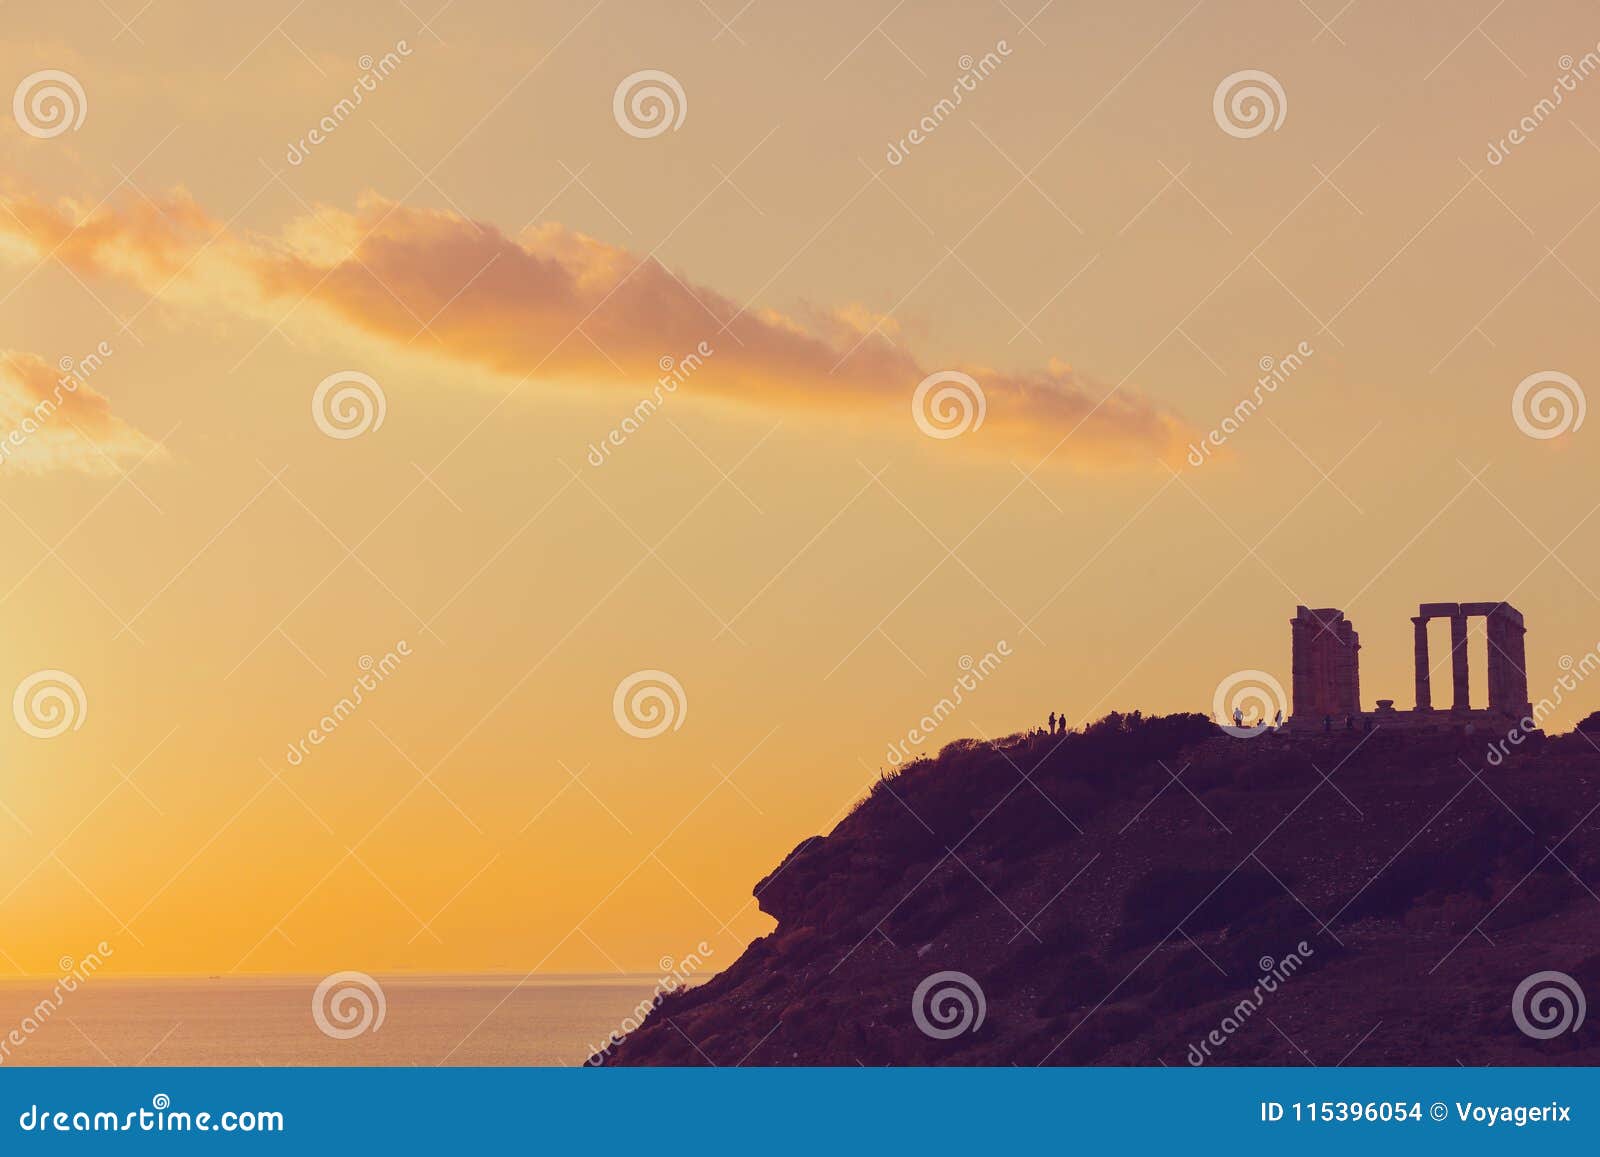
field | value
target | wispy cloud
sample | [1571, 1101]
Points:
[51, 419]
[553, 305]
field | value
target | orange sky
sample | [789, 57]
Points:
[482, 239]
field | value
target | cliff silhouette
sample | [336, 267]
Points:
[1134, 892]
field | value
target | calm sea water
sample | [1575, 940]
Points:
[430, 1020]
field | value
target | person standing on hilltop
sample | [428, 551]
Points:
[1052, 723]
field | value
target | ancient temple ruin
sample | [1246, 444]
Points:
[1327, 671]
[1508, 663]
[1327, 674]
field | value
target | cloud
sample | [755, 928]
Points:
[50, 418]
[553, 305]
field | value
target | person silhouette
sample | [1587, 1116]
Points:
[1052, 723]
[1238, 717]
[1063, 718]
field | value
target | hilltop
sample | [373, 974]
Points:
[1116, 893]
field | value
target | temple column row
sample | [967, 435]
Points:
[1505, 633]
[1508, 670]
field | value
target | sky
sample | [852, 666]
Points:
[363, 409]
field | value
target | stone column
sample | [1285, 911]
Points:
[1355, 672]
[1517, 669]
[1299, 665]
[1459, 675]
[1419, 630]
[1499, 639]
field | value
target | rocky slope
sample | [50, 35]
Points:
[1140, 892]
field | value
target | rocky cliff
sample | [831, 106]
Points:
[1151, 891]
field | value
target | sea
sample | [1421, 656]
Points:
[543, 1019]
